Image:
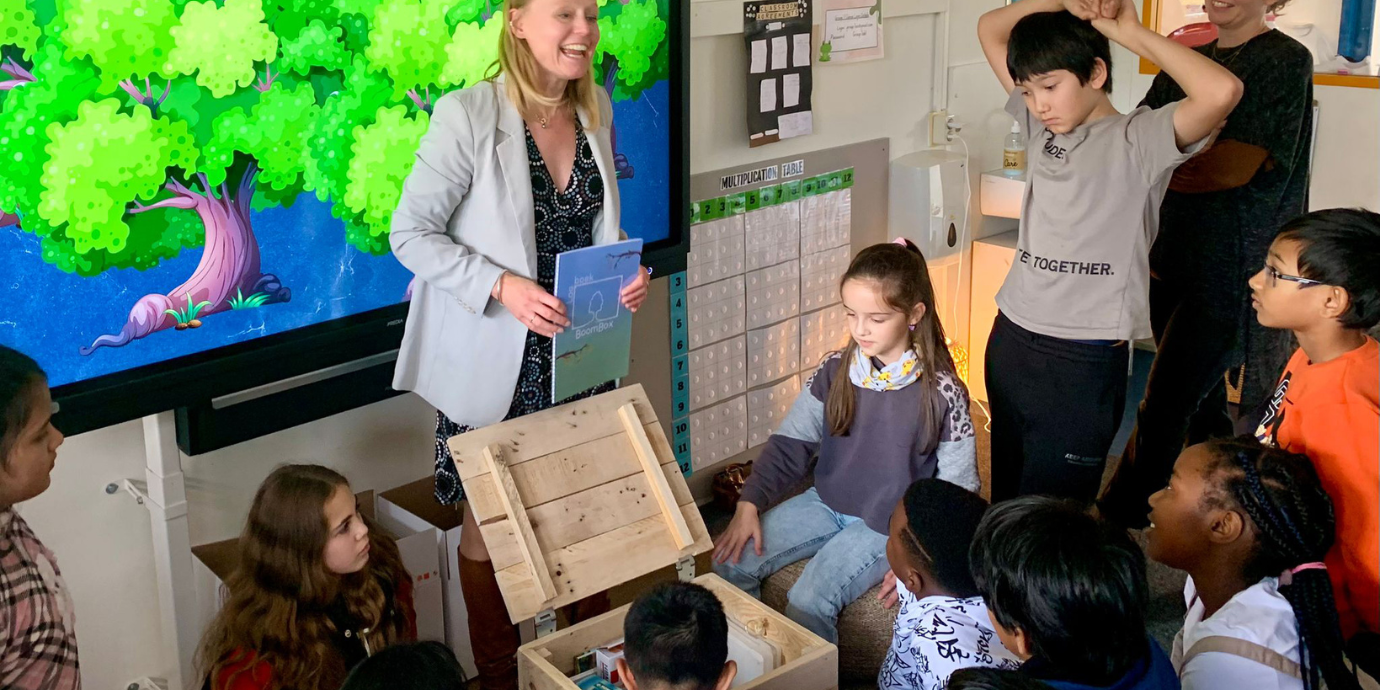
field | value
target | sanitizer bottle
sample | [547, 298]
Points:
[1013, 154]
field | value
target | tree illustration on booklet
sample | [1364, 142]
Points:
[134, 130]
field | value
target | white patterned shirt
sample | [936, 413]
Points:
[936, 636]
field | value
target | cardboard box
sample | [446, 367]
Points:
[214, 562]
[585, 497]
[412, 510]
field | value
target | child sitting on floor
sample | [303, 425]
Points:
[942, 625]
[38, 636]
[675, 637]
[1067, 594]
[1321, 280]
[1250, 525]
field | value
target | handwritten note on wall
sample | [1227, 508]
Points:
[852, 31]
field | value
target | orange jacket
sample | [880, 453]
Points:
[1331, 413]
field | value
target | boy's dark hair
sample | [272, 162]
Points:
[941, 519]
[1294, 522]
[1044, 42]
[19, 373]
[413, 666]
[979, 678]
[676, 635]
[1341, 247]
[1074, 584]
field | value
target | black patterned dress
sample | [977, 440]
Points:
[564, 221]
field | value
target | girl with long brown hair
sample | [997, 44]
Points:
[887, 410]
[317, 589]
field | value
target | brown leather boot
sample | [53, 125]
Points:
[493, 638]
[587, 608]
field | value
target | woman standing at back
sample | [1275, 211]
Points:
[511, 172]
[1221, 212]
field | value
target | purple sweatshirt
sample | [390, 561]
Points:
[865, 473]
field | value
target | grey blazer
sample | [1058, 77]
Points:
[465, 216]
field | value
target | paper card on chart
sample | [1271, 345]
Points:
[768, 95]
[779, 53]
[759, 57]
[801, 50]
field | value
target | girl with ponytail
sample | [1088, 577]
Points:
[887, 410]
[1251, 525]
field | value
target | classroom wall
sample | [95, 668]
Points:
[102, 540]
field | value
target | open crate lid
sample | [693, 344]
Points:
[576, 499]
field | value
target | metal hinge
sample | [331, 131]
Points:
[685, 568]
[546, 622]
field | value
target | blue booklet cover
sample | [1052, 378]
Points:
[597, 346]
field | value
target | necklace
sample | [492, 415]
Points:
[1226, 57]
[545, 120]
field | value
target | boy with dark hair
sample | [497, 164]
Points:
[1067, 594]
[675, 637]
[1321, 280]
[1079, 287]
[942, 625]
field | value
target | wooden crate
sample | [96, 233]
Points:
[581, 498]
[808, 662]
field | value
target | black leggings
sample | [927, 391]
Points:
[1185, 398]
[1056, 406]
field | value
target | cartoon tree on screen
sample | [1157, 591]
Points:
[132, 130]
[632, 42]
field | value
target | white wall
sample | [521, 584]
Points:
[851, 103]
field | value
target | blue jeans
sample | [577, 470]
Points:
[848, 559]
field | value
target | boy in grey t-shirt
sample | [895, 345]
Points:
[1078, 288]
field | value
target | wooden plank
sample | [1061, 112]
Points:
[583, 516]
[483, 499]
[542, 433]
[790, 637]
[818, 670]
[533, 562]
[538, 673]
[587, 517]
[660, 488]
[597, 564]
[573, 469]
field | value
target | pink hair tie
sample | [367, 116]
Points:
[901, 241]
[1308, 566]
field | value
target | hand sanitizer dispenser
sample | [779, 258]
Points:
[927, 204]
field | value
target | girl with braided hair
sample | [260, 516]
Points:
[1251, 525]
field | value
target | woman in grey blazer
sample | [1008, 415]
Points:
[511, 172]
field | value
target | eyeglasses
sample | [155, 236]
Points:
[1273, 277]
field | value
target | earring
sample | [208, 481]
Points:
[912, 327]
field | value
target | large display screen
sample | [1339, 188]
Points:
[180, 178]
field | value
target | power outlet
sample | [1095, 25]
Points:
[939, 128]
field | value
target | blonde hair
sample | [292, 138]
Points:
[519, 65]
